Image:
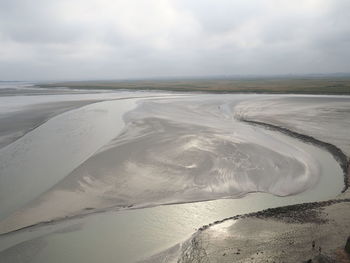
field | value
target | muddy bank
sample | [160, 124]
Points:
[308, 232]
[181, 151]
[337, 153]
[299, 213]
[178, 151]
[316, 231]
[326, 118]
[15, 125]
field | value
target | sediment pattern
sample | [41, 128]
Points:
[176, 151]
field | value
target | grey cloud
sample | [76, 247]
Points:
[77, 39]
[33, 21]
[222, 16]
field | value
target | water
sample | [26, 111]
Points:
[116, 236]
[132, 235]
[47, 154]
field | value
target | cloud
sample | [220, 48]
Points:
[87, 39]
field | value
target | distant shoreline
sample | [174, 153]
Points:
[318, 86]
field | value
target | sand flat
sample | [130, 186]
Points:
[170, 150]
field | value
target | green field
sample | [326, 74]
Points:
[339, 85]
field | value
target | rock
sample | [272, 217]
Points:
[323, 259]
[347, 246]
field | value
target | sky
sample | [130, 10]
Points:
[121, 39]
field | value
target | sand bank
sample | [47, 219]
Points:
[313, 232]
[170, 151]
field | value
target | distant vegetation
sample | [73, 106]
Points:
[340, 85]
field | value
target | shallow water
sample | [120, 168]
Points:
[45, 155]
[34, 163]
[132, 235]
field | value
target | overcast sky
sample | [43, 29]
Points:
[111, 39]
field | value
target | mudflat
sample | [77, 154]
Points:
[122, 156]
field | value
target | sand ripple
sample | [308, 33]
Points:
[177, 151]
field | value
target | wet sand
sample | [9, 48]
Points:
[314, 232]
[22, 109]
[325, 118]
[169, 151]
[15, 124]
